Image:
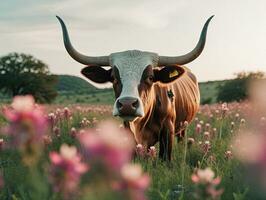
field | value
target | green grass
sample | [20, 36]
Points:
[102, 97]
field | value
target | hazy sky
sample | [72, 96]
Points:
[236, 39]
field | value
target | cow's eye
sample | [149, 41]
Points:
[149, 79]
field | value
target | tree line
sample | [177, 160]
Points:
[237, 89]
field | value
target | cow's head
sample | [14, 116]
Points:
[133, 73]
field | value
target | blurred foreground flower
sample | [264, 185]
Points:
[66, 169]
[206, 184]
[249, 145]
[110, 149]
[27, 121]
[133, 182]
[110, 144]
[27, 127]
[250, 148]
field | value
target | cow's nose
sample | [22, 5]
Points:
[127, 105]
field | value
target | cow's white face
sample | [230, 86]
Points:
[133, 74]
[129, 71]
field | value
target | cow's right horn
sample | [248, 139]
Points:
[86, 60]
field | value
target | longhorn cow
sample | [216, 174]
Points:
[155, 94]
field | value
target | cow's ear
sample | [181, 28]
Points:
[168, 74]
[97, 74]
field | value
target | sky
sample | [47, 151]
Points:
[236, 39]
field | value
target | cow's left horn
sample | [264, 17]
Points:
[184, 59]
[86, 60]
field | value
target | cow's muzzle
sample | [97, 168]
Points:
[127, 105]
[128, 108]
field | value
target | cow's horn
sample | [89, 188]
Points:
[184, 59]
[86, 60]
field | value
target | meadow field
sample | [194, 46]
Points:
[70, 152]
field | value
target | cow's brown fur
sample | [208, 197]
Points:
[164, 115]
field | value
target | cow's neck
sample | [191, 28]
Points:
[139, 126]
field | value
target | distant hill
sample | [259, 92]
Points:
[68, 83]
[73, 89]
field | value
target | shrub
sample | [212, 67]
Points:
[237, 89]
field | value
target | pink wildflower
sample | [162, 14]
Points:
[228, 155]
[190, 141]
[207, 127]
[66, 169]
[224, 108]
[1, 143]
[52, 119]
[214, 130]
[152, 152]
[242, 121]
[66, 113]
[206, 146]
[232, 125]
[56, 131]
[206, 135]
[73, 132]
[84, 122]
[198, 128]
[140, 150]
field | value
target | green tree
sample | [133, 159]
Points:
[237, 89]
[22, 74]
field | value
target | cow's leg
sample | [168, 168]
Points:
[166, 140]
[162, 144]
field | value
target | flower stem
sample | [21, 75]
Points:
[183, 166]
[221, 129]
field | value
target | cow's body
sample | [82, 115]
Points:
[166, 114]
[154, 94]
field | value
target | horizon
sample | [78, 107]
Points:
[235, 40]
